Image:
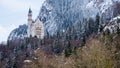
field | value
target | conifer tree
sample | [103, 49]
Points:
[68, 49]
[8, 64]
[56, 47]
[97, 22]
[1, 56]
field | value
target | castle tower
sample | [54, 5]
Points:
[29, 22]
[35, 28]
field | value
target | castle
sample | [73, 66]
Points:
[35, 28]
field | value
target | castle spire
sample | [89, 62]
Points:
[30, 11]
[29, 14]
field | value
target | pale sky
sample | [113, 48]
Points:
[14, 13]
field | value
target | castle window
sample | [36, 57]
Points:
[38, 28]
[35, 36]
[30, 36]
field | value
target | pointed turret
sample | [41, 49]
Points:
[30, 11]
[29, 22]
[30, 15]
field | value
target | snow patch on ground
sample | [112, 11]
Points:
[27, 61]
[115, 18]
[90, 5]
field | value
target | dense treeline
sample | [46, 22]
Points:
[13, 54]
[68, 48]
[99, 51]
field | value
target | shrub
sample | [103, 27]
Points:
[94, 55]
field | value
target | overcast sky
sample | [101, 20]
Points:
[14, 13]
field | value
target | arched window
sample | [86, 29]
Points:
[30, 35]
[35, 36]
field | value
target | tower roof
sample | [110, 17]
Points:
[30, 11]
